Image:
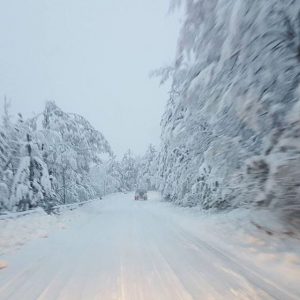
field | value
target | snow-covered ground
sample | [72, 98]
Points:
[16, 229]
[145, 250]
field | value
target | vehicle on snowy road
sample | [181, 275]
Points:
[141, 194]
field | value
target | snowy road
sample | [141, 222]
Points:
[130, 250]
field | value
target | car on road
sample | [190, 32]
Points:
[141, 194]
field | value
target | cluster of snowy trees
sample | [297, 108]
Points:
[230, 133]
[59, 158]
[46, 160]
[128, 173]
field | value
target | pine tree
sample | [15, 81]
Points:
[32, 184]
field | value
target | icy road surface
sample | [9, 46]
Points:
[133, 250]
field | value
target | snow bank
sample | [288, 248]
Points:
[253, 238]
[16, 229]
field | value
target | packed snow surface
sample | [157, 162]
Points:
[123, 249]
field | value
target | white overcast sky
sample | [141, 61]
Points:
[92, 57]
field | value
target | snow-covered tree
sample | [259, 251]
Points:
[107, 177]
[32, 184]
[4, 191]
[72, 146]
[234, 85]
[4, 152]
[128, 171]
[13, 136]
[47, 159]
[148, 168]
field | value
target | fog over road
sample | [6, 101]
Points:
[131, 250]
